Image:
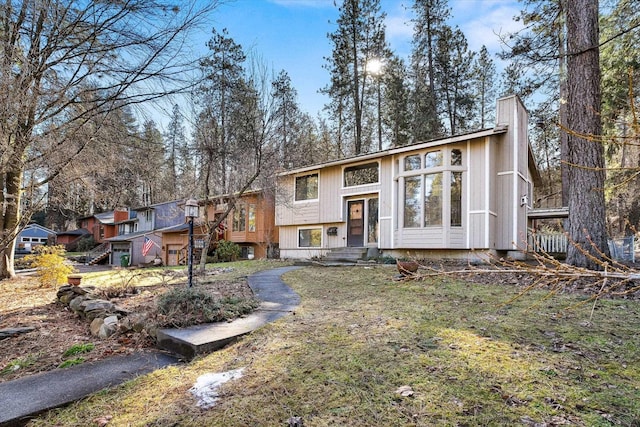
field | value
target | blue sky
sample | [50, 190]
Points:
[292, 34]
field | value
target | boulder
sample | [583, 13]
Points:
[97, 308]
[66, 298]
[109, 327]
[77, 304]
[95, 326]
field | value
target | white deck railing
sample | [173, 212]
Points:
[548, 242]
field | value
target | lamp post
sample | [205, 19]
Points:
[375, 66]
[190, 212]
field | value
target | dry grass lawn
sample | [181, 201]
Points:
[365, 350]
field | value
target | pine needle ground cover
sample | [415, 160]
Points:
[365, 350]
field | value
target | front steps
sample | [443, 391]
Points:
[345, 255]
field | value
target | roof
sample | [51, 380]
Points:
[548, 213]
[36, 230]
[78, 232]
[174, 228]
[105, 217]
[405, 148]
[154, 205]
[130, 236]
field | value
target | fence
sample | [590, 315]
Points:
[550, 243]
[623, 249]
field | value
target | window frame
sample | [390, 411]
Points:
[239, 219]
[446, 169]
[295, 187]
[357, 167]
[301, 229]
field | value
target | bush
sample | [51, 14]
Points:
[85, 244]
[227, 251]
[50, 264]
[190, 306]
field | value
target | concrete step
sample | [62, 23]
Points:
[277, 300]
[346, 254]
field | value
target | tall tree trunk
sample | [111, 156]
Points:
[562, 109]
[587, 221]
[10, 221]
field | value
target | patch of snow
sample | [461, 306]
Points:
[206, 387]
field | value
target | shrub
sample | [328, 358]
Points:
[181, 307]
[227, 251]
[50, 264]
[85, 244]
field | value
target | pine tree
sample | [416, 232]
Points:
[429, 24]
[587, 218]
[358, 39]
[483, 74]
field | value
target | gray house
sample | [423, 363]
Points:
[446, 197]
[128, 247]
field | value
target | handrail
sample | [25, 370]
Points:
[97, 251]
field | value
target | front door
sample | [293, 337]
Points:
[355, 223]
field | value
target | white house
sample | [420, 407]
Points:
[445, 197]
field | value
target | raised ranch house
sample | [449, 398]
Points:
[447, 197]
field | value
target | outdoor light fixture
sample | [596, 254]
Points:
[190, 212]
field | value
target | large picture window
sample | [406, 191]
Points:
[310, 237]
[361, 175]
[433, 189]
[306, 187]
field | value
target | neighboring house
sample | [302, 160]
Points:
[174, 243]
[127, 249]
[448, 196]
[251, 225]
[103, 225]
[143, 223]
[33, 235]
[69, 239]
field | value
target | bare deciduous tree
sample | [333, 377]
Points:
[63, 62]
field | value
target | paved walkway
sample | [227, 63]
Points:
[26, 397]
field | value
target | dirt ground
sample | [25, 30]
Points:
[23, 303]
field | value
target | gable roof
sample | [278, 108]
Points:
[500, 129]
[34, 230]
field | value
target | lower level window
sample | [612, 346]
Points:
[310, 237]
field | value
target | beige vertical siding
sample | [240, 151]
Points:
[495, 177]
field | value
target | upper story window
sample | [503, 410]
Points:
[239, 218]
[412, 163]
[361, 174]
[252, 218]
[306, 187]
[456, 157]
[433, 159]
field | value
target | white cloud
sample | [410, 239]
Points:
[483, 21]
